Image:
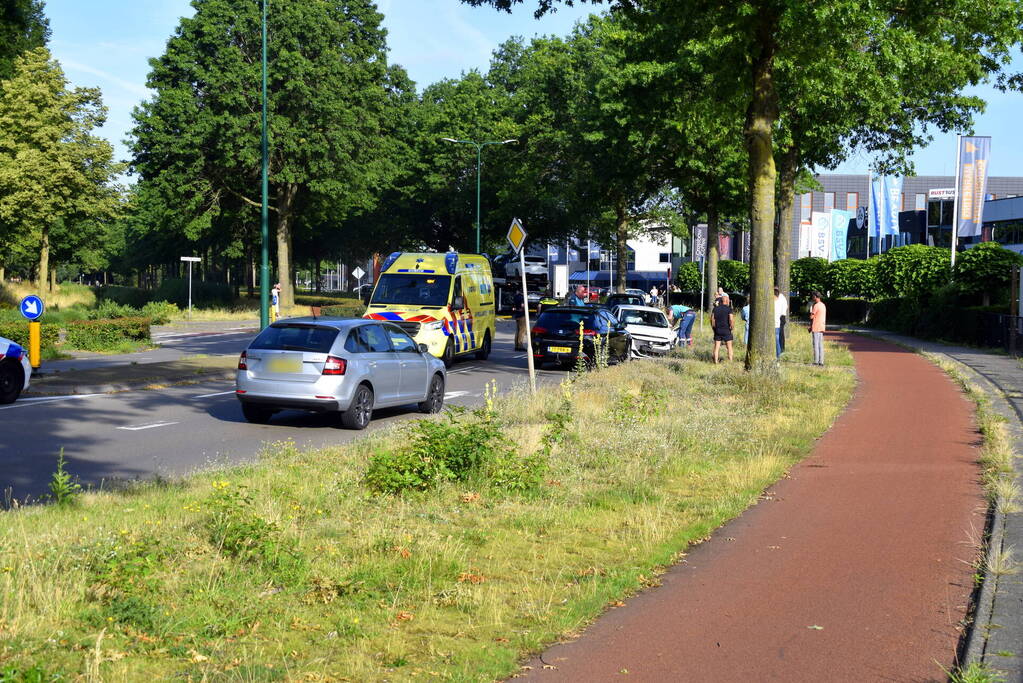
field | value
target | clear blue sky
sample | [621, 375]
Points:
[107, 43]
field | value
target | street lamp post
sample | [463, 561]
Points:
[264, 269]
[190, 260]
[479, 159]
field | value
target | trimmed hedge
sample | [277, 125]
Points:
[101, 335]
[204, 294]
[975, 325]
[125, 296]
[17, 332]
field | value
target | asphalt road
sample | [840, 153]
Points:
[170, 432]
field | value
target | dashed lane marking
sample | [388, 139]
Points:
[154, 425]
[455, 394]
[36, 400]
[220, 393]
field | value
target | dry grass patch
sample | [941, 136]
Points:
[293, 569]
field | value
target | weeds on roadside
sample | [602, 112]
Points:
[63, 486]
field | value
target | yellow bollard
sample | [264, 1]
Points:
[34, 344]
[273, 314]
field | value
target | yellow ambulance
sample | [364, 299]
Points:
[445, 301]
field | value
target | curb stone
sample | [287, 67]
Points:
[995, 634]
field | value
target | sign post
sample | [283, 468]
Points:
[32, 307]
[358, 273]
[517, 239]
[190, 260]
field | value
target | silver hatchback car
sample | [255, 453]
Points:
[349, 366]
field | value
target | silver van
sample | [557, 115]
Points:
[348, 366]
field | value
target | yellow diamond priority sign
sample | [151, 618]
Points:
[516, 235]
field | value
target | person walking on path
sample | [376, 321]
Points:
[818, 321]
[781, 315]
[519, 313]
[855, 566]
[722, 322]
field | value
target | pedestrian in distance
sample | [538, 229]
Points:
[818, 322]
[781, 313]
[519, 313]
[577, 297]
[723, 323]
[654, 293]
[275, 300]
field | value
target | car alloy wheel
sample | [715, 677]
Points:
[435, 397]
[360, 412]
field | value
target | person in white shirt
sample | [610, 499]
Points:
[653, 295]
[781, 312]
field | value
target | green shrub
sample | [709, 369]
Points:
[17, 332]
[160, 312]
[733, 276]
[847, 311]
[439, 450]
[102, 335]
[110, 310]
[126, 296]
[809, 274]
[688, 278]
[852, 277]
[986, 270]
[914, 271]
[204, 294]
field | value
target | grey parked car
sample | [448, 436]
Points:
[348, 366]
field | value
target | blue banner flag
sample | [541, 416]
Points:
[885, 204]
[974, 153]
[840, 233]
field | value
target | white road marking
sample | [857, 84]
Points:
[222, 393]
[455, 394]
[36, 400]
[138, 428]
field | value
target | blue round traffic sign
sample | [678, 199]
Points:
[32, 307]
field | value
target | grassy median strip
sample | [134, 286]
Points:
[295, 568]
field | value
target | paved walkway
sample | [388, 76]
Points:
[996, 638]
[857, 567]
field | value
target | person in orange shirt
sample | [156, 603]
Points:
[818, 321]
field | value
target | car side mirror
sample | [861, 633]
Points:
[458, 303]
[423, 348]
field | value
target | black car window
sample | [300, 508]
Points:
[295, 337]
[374, 338]
[564, 319]
[355, 343]
[400, 341]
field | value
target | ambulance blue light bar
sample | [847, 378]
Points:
[451, 262]
[389, 261]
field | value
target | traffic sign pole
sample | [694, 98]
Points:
[517, 239]
[34, 343]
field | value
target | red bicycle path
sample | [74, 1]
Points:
[856, 567]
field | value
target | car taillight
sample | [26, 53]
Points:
[335, 366]
[539, 330]
[590, 333]
[242, 364]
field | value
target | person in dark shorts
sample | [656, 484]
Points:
[722, 322]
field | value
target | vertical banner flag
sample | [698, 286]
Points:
[820, 234]
[885, 204]
[974, 153]
[804, 240]
[700, 242]
[552, 252]
[840, 233]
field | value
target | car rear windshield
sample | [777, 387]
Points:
[564, 319]
[412, 289]
[651, 318]
[627, 299]
[295, 337]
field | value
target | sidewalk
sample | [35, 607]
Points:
[855, 567]
[996, 636]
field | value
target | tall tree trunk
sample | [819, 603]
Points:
[318, 264]
[44, 258]
[3, 273]
[622, 236]
[760, 119]
[53, 277]
[285, 203]
[713, 254]
[783, 229]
